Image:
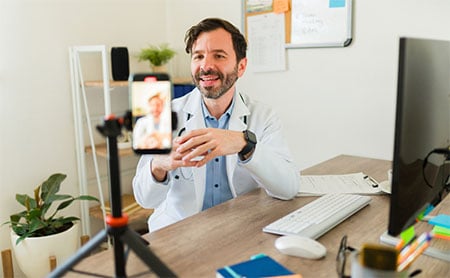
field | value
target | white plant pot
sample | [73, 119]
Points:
[32, 254]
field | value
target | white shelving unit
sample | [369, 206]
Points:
[80, 103]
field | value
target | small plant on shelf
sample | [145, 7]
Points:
[157, 55]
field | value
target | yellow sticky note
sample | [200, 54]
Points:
[280, 6]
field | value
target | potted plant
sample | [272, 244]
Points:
[157, 55]
[40, 226]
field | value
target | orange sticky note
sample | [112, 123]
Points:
[280, 6]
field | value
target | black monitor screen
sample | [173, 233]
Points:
[422, 129]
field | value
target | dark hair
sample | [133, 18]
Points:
[211, 24]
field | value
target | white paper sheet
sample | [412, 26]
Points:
[266, 42]
[357, 183]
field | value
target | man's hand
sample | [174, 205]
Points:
[209, 143]
[161, 164]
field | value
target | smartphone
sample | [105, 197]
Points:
[151, 112]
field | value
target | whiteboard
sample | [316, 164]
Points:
[321, 23]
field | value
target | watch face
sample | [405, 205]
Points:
[251, 136]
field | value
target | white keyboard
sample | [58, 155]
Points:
[319, 216]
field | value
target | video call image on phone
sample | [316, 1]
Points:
[151, 96]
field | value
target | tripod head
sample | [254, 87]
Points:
[112, 126]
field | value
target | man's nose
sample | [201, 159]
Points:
[207, 63]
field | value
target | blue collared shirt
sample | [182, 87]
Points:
[217, 188]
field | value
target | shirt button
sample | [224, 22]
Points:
[216, 185]
[217, 160]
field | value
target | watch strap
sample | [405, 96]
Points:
[251, 144]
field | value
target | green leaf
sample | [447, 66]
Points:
[26, 201]
[58, 197]
[87, 198]
[14, 218]
[70, 219]
[65, 204]
[36, 224]
[34, 213]
[51, 186]
[44, 208]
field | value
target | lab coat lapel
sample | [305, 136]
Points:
[196, 121]
[237, 122]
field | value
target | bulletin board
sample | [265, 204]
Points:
[308, 23]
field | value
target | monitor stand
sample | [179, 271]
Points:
[430, 251]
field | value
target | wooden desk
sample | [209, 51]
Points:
[232, 232]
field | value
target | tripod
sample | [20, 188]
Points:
[117, 223]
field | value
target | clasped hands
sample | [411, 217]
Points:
[196, 148]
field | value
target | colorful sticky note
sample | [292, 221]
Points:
[280, 6]
[441, 231]
[408, 234]
[337, 3]
[442, 220]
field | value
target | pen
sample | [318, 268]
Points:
[371, 180]
[415, 249]
[402, 244]
[414, 255]
[410, 248]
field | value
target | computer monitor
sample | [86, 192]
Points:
[420, 169]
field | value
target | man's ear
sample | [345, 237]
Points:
[242, 66]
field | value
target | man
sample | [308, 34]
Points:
[227, 144]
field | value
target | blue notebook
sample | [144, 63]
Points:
[259, 266]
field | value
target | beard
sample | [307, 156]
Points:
[227, 82]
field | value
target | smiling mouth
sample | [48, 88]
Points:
[208, 81]
[209, 78]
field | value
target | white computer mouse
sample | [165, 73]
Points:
[300, 246]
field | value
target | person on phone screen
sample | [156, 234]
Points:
[153, 130]
[225, 145]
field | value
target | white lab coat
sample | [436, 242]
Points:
[181, 195]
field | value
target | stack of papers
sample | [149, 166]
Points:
[356, 183]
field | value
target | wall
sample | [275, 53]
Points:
[342, 100]
[37, 136]
[331, 101]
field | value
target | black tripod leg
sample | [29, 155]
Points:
[119, 254]
[135, 243]
[83, 252]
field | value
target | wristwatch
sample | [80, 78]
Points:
[250, 138]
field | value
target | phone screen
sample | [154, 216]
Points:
[151, 96]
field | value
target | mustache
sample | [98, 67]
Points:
[208, 72]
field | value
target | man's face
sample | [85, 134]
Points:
[213, 63]
[156, 106]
